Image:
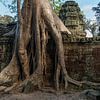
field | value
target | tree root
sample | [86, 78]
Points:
[29, 28]
[66, 79]
[29, 85]
[90, 83]
[10, 74]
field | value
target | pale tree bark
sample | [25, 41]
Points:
[36, 21]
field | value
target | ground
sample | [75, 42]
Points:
[40, 95]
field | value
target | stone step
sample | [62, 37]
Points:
[93, 94]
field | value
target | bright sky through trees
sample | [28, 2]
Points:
[85, 5]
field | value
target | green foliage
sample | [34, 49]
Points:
[97, 14]
[13, 6]
[97, 10]
[56, 5]
[3, 2]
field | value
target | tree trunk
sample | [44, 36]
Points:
[35, 20]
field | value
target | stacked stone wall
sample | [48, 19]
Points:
[82, 57]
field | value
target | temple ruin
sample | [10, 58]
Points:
[81, 54]
[73, 18]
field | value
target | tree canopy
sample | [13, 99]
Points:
[12, 6]
[56, 4]
[97, 10]
[37, 25]
[97, 14]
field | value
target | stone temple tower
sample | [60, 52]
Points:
[72, 17]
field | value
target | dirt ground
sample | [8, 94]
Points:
[39, 95]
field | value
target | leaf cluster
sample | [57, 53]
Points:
[97, 10]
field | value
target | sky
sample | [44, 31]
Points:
[85, 5]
